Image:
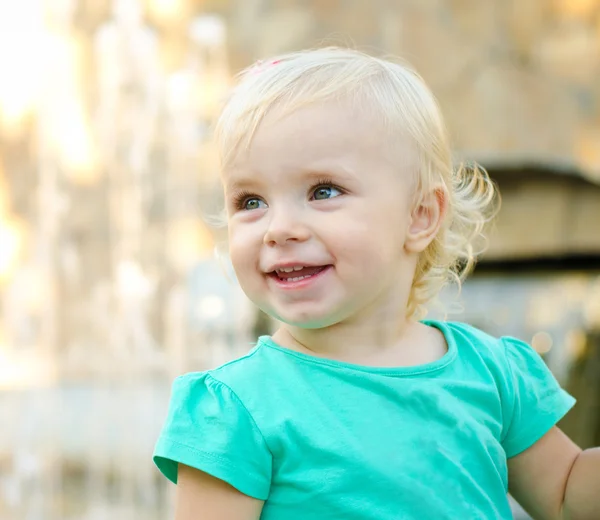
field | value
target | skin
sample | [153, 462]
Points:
[367, 225]
[202, 497]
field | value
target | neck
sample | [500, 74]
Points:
[361, 340]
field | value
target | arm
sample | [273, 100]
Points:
[582, 499]
[555, 480]
[203, 497]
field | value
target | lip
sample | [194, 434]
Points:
[300, 284]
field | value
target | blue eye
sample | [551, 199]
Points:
[325, 192]
[253, 203]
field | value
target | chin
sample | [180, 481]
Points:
[311, 324]
[306, 320]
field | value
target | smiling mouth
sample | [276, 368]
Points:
[296, 274]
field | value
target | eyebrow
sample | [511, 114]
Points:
[338, 172]
[315, 174]
[242, 184]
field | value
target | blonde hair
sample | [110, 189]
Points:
[404, 102]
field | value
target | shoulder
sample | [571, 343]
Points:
[467, 337]
[210, 427]
[505, 355]
[466, 332]
[244, 371]
[239, 380]
[496, 352]
[230, 392]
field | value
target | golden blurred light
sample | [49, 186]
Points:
[588, 149]
[208, 164]
[24, 370]
[11, 245]
[132, 282]
[166, 10]
[188, 241]
[22, 38]
[65, 123]
[575, 342]
[34, 287]
[74, 144]
[4, 191]
[579, 9]
[591, 307]
[542, 342]
[211, 94]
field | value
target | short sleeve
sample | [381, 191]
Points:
[208, 428]
[538, 401]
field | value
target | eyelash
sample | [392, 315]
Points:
[325, 182]
[242, 197]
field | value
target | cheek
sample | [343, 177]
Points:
[371, 243]
[243, 249]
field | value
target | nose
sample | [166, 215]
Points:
[286, 226]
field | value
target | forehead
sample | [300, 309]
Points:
[333, 131]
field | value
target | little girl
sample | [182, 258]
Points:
[345, 218]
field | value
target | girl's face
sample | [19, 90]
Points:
[319, 211]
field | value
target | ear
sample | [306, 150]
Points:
[425, 221]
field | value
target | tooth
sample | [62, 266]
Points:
[298, 268]
[297, 278]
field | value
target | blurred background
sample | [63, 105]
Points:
[108, 283]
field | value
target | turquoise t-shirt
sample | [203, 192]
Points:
[322, 440]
